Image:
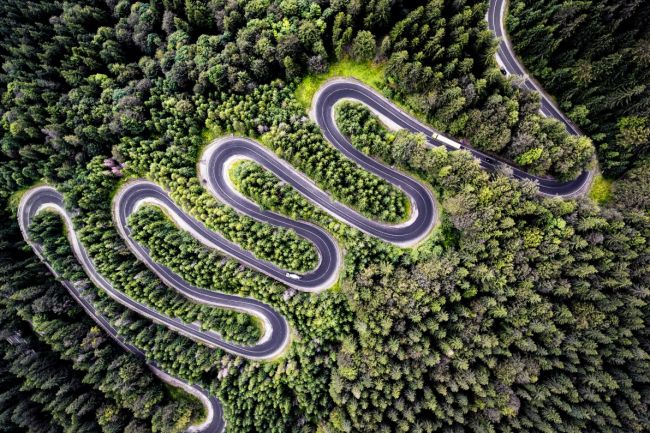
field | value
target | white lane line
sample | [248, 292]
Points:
[23, 222]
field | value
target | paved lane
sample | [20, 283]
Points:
[507, 58]
[336, 90]
[214, 174]
[40, 198]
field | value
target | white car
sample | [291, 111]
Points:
[292, 276]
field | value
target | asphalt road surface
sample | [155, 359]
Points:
[509, 63]
[46, 197]
[336, 90]
[214, 166]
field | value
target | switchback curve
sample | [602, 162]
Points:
[213, 170]
[339, 89]
[40, 198]
[510, 65]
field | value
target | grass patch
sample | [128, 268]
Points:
[601, 190]
[210, 133]
[370, 73]
[180, 395]
[231, 172]
[14, 199]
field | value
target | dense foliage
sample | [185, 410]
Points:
[533, 319]
[594, 57]
[62, 372]
[519, 314]
[450, 341]
[632, 192]
[440, 59]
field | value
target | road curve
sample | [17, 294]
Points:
[276, 329]
[213, 169]
[221, 152]
[510, 64]
[508, 60]
[214, 173]
[129, 198]
[339, 89]
[40, 198]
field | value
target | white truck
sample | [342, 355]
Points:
[445, 140]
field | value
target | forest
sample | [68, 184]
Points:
[519, 313]
[594, 57]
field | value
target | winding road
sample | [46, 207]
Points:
[37, 199]
[507, 59]
[336, 90]
[213, 172]
[510, 65]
